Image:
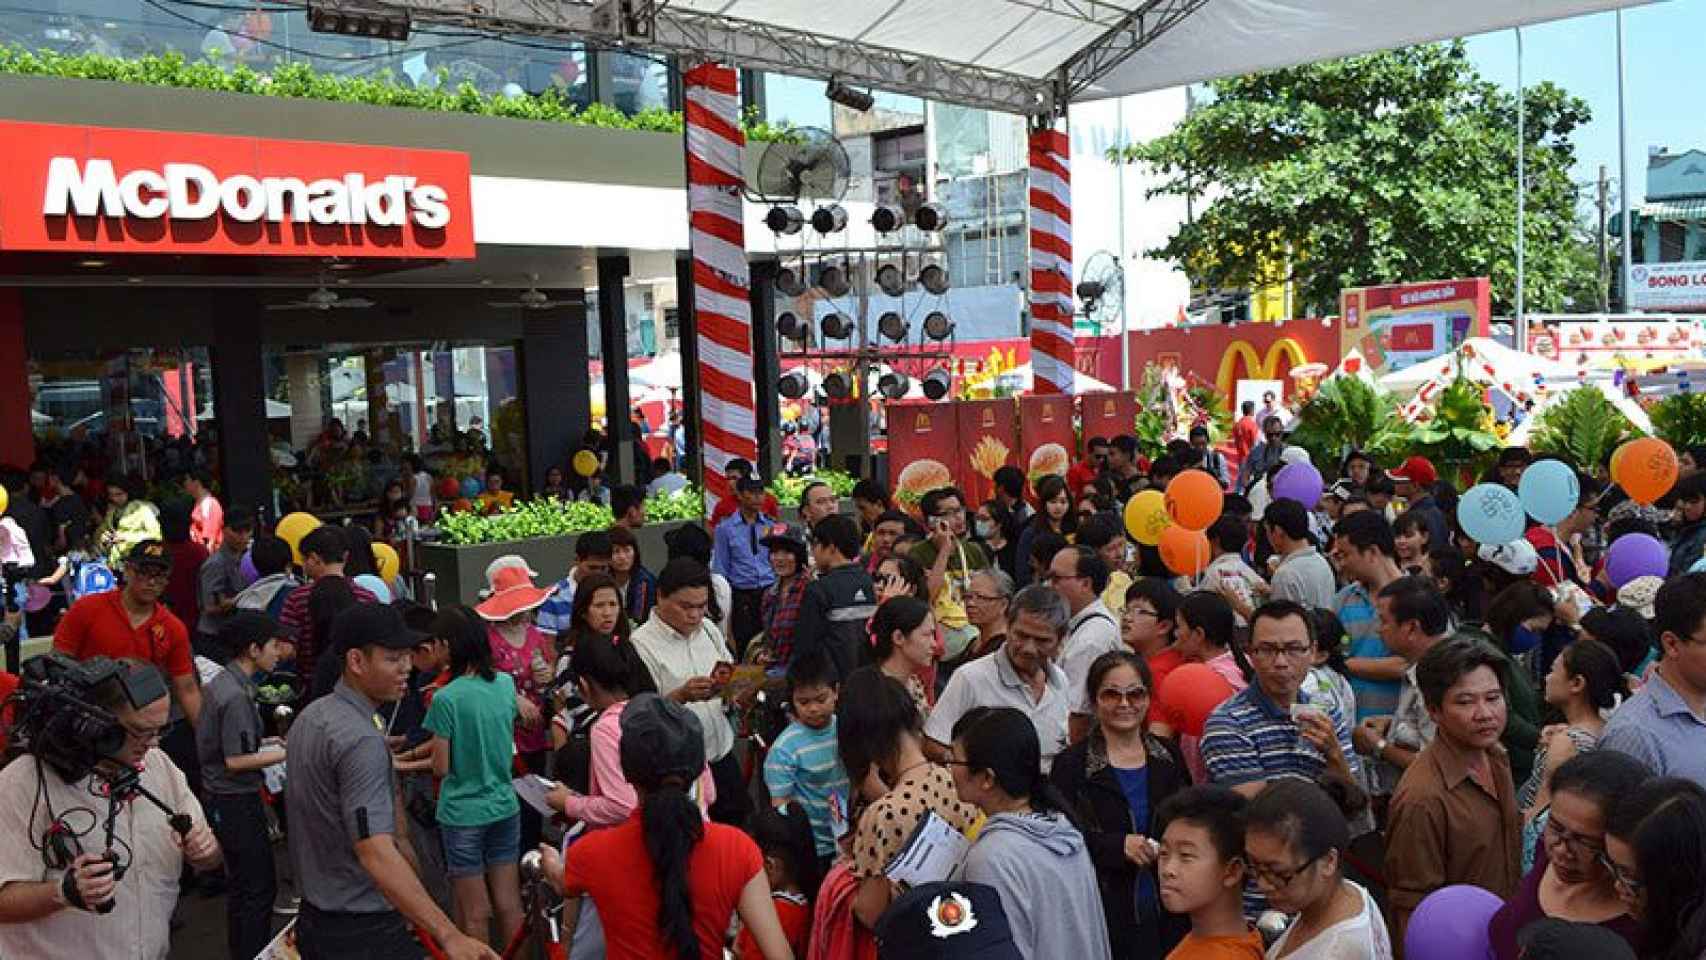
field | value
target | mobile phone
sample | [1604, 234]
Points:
[722, 673]
[1301, 710]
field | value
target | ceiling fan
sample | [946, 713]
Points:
[531, 299]
[323, 298]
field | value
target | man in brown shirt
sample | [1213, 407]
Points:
[1453, 817]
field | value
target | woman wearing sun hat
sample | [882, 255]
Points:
[525, 652]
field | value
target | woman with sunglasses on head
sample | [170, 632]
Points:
[1113, 781]
[1655, 851]
[1295, 837]
[1569, 880]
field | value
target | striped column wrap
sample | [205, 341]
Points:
[1051, 263]
[722, 312]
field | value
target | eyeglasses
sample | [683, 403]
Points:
[986, 597]
[146, 734]
[1141, 612]
[1136, 696]
[1623, 878]
[1270, 651]
[1050, 578]
[1278, 879]
[156, 576]
[1579, 844]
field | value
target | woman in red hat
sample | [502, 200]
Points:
[522, 650]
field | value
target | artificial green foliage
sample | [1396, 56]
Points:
[301, 81]
[551, 517]
[1385, 168]
[1348, 413]
[1459, 437]
[787, 489]
[1680, 419]
[1582, 427]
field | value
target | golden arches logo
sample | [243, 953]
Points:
[1284, 348]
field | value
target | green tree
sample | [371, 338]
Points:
[1392, 167]
[1583, 427]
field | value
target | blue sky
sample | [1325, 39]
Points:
[1662, 50]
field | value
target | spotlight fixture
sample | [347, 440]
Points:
[938, 326]
[936, 384]
[790, 327]
[784, 221]
[793, 385]
[934, 279]
[890, 280]
[888, 219]
[789, 284]
[830, 219]
[354, 19]
[1090, 290]
[838, 385]
[894, 384]
[833, 280]
[931, 217]
[841, 93]
[836, 327]
[893, 326]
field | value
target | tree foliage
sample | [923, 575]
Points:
[1680, 419]
[1459, 436]
[1386, 168]
[1347, 414]
[1582, 427]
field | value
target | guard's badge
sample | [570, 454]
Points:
[951, 915]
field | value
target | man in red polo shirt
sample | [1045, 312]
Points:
[132, 622]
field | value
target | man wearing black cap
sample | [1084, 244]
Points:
[132, 623]
[739, 555]
[359, 895]
[233, 752]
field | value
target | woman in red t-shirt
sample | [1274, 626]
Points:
[666, 882]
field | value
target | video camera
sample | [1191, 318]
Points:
[56, 719]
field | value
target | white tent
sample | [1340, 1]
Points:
[1484, 361]
[1629, 408]
[663, 370]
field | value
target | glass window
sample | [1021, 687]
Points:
[637, 82]
[138, 413]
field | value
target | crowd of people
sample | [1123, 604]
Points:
[999, 729]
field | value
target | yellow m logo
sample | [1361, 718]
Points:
[1256, 368]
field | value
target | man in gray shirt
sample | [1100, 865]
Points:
[1662, 724]
[1303, 575]
[221, 579]
[359, 895]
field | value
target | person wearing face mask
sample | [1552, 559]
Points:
[993, 530]
[1296, 836]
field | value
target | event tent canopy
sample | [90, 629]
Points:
[1029, 57]
[1484, 361]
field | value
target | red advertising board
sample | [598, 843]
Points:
[988, 441]
[74, 189]
[923, 448]
[1107, 415]
[1395, 326]
[1045, 434]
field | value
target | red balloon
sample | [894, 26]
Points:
[1190, 694]
[449, 488]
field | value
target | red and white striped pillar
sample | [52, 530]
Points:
[1051, 262]
[722, 312]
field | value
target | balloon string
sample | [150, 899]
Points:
[1558, 557]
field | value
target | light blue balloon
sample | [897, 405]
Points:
[1490, 514]
[1549, 491]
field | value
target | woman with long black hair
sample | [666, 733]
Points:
[1054, 515]
[903, 645]
[1655, 849]
[666, 882]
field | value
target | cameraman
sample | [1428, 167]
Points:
[48, 896]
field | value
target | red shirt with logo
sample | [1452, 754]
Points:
[98, 626]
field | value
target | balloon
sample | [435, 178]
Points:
[470, 487]
[1549, 491]
[37, 597]
[1491, 514]
[1635, 555]
[292, 527]
[1616, 464]
[586, 463]
[4, 499]
[1649, 470]
[462, 505]
[1451, 924]
[1300, 482]
[1185, 552]
[1146, 516]
[1194, 499]
[247, 569]
[449, 488]
[1190, 694]
[386, 559]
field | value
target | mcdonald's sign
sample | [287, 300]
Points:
[1255, 367]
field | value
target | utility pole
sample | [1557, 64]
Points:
[1604, 204]
[1521, 324]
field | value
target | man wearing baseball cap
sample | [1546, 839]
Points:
[359, 896]
[1415, 478]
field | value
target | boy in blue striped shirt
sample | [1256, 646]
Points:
[804, 763]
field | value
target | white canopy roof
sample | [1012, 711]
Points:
[1484, 361]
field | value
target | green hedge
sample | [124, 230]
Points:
[303, 82]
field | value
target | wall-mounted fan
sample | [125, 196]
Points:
[323, 298]
[1101, 292]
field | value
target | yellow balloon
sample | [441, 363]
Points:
[386, 559]
[1617, 461]
[292, 528]
[1146, 517]
[5, 500]
[586, 463]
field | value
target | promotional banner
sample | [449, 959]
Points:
[988, 441]
[1400, 325]
[1107, 415]
[924, 443]
[1222, 355]
[1668, 286]
[1603, 344]
[1046, 435]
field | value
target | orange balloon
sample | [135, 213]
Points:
[1194, 499]
[1185, 552]
[1649, 470]
[1189, 694]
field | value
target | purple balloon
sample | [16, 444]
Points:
[1300, 482]
[1635, 555]
[1451, 924]
[247, 569]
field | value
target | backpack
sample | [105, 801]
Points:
[90, 577]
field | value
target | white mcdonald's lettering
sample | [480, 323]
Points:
[189, 191]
